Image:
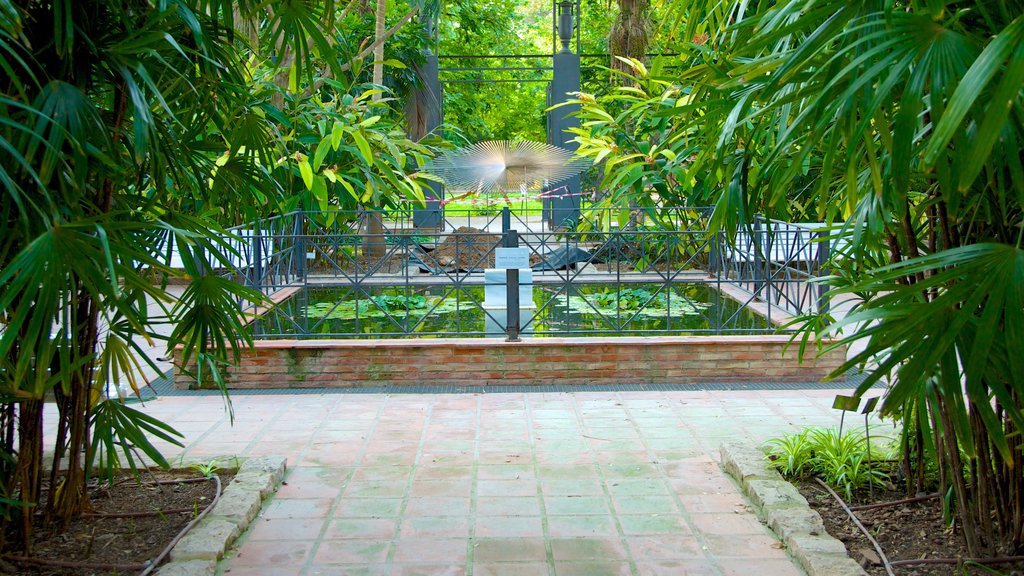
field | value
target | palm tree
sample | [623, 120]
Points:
[903, 125]
[113, 115]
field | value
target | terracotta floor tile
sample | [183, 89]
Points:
[286, 553]
[297, 508]
[585, 549]
[610, 568]
[507, 506]
[273, 529]
[505, 549]
[362, 528]
[509, 526]
[437, 506]
[431, 551]
[352, 552]
[510, 569]
[435, 527]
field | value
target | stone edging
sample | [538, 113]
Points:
[781, 506]
[197, 553]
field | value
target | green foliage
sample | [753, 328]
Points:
[207, 469]
[840, 461]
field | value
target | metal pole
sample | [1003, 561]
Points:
[257, 259]
[511, 288]
[300, 244]
[823, 257]
[758, 257]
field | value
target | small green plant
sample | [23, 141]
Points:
[792, 453]
[208, 469]
[840, 461]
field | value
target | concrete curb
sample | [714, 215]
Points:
[781, 506]
[197, 553]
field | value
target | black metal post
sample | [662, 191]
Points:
[300, 245]
[506, 225]
[758, 257]
[257, 259]
[823, 257]
[511, 288]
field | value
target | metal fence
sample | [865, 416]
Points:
[373, 274]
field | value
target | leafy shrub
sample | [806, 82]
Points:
[840, 461]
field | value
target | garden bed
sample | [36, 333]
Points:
[132, 522]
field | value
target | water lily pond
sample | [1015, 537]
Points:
[447, 311]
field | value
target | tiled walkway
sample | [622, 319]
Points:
[585, 483]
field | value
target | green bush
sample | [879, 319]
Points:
[840, 461]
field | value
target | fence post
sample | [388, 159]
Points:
[257, 259]
[823, 258]
[300, 244]
[511, 240]
[758, 257]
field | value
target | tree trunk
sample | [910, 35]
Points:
[628, 37]
[378, 51]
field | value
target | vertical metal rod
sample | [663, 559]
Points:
[867, 436]
[511, 289]
[300, 244]
[506, 224]
[257, 259]
[823, 257]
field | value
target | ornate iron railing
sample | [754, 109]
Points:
[373, 274]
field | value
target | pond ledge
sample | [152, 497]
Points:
[531, 361]
[781, 506]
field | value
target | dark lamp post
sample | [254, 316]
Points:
[565, 23]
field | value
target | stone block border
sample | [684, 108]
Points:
[781, 506]
[197, 553]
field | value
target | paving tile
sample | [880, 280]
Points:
[736, 524]
[584, 549]
[272, 529]
[437, 506]
[505, 471]
[581, 526]
[685, 568]
[713, 503]
[761, 546]
[644, 505]
[435, 527]
[652, 524]
[637, 487]
[374, 489]
[284, 553]
[507, 506]
[361, 529]
[509, 526]
[521, 487]
[765, 567]
[614, 470]
[297, 508]
[450, 551]
[664, 547]
[610, 568]
[510, 569]
[566, 472]
[452, 488]
[352, 552]
[347, 570]
[426, 570]
[368, 508]
[507, 549]
[576, 505]
[571, 487]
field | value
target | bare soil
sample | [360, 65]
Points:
[907, 531]
[132, 522]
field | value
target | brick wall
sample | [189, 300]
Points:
[534, 361]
